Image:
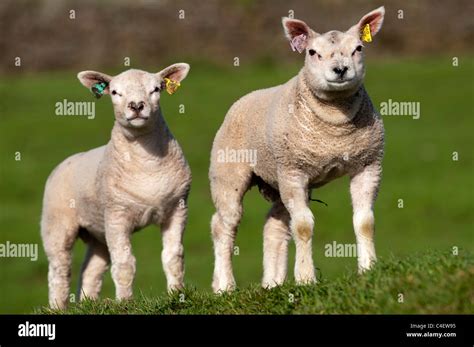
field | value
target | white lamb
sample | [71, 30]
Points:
[318, 126]
[104, 195]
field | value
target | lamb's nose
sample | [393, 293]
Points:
[340, 72]
[136, 107]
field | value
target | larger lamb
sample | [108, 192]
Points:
[318, 126]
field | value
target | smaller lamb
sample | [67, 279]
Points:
[104, 195]
[318, 126]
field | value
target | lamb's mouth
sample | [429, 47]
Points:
[137, 116]
[340, 82]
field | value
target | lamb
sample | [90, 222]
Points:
[318, 126]
[140, 177]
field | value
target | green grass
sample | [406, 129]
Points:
[437, 192]
[410, 285]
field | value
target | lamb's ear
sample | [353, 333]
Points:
[176, 72]
[297, 32]
[373, 19]
[91, 78]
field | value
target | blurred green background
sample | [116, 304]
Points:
[418, 167]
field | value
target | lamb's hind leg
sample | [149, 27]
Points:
[227, 191]
[96, 262]
[276, 236]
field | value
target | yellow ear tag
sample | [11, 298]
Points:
[171, 86]
[366, 34]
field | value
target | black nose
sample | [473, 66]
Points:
[136, 107]
[340, 72]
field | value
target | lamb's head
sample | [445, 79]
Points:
[334, 61]
[135, 94]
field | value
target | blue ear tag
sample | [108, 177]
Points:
[98, 89]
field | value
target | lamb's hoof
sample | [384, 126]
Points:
[305, 277]
[270, 284]
[221, 288]
[177, 287]
[366, 265]
[58, 305]
[124, 293]
[305, 281]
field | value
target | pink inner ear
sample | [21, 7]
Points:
[298, 43]
[374, 21]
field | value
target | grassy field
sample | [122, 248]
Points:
[437, 191]
[409, 285]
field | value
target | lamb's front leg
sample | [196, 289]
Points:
[294, 194]
[118, 232]
[364, 188]
[172, 256]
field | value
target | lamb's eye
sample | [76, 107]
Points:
[313, 52]
[156, 90]
[114, 92]
[358, 49]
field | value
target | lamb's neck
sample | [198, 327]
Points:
[144, 146]
[339, 110]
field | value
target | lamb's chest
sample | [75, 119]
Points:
[339, 157]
